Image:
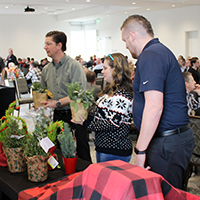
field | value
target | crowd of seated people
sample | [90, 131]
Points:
[191, 73]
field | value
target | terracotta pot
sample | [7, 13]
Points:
[81, 112]
[37, 168]
[38, 97]
[70, 164]
[15, 159]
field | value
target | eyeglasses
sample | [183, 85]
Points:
[48, 43]
[110, 57]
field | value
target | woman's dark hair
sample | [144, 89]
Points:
[121, 74]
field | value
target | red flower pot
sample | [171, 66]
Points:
[70, 165]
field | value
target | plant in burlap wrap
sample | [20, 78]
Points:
[13, 135]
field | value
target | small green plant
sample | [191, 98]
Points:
[78, 95]
[67, 142]
[52, 130]
[32, 145]
[13, 130]
[37, 87]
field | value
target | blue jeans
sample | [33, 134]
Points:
[103, 157]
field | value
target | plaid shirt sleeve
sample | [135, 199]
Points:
[29, 75]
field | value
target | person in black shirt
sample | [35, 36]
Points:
[11, 58]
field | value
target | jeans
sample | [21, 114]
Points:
[103, 157]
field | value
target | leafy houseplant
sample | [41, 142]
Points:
[80, 100]
[13, 135]
[36, 157]
[39, 94]
[68, 148]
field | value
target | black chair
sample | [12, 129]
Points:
[22, 92]
[195, 158]
[7, 95]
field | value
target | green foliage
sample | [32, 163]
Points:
[67, 142]
[78, 95]
[9, 127]
[52, 130]
[37, 87]
[32, 146]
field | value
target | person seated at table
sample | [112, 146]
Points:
[91, 78]
[112, 120]
[193, 92]
[34, 74]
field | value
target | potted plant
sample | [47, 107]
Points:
[39, 93]
[68, 148]
[80, 100]
[36, 157]
[13, 134]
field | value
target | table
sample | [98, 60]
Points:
[11, 184]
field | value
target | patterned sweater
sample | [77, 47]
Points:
[112, 122]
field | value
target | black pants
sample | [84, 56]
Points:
[81, 134]
[169, 156]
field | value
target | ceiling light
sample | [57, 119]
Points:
[6, 6]
[148, 8]
[27, 9]
[88, 1]
[73, 8]
[173, 5]
[133, 3]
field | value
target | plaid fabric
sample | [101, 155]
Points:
[118, 180]
[46, 190]
[34, 75]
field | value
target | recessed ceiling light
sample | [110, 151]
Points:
[45, 8]
[133, 3]
[125, 12]
[88, 1]
[107, 15]
[173, 5]
[6, 6]
[73, 8]
[148, 8]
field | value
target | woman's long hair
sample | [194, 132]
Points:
[121, 74]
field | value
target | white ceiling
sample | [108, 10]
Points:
[82, 10]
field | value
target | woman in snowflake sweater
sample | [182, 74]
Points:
[112, 119]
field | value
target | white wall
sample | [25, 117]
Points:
[26, 33]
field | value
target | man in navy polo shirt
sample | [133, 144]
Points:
[165, 142]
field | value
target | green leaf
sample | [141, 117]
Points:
[78, 101]
[72, 103]
[75, 108]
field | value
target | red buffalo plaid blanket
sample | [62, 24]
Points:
[115, 180]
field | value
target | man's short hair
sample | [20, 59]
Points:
[140, 20]
[90, 75]
[186, 76]
[57, 37]
[193, 60]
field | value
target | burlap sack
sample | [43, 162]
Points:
[38, 97]
[81, 112]
[15, 159]
[37, 168]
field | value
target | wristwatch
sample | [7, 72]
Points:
[58, 104]
[139, 152]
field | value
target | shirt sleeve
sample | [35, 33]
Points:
[152, 72]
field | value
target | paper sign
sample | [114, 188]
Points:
[52, 162]
[46, 144]
[17, 136]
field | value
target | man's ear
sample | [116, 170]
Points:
[132, 35]
[59, 45]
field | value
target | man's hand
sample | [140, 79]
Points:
[49, 103]
[140, 160]
[80, 123]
